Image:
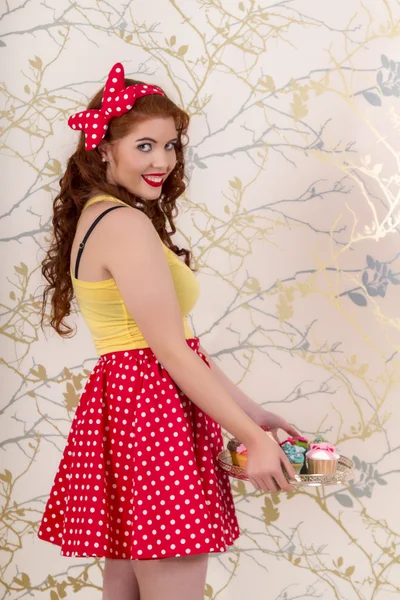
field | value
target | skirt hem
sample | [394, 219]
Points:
[124, 556]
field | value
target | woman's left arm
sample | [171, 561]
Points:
[259, 415]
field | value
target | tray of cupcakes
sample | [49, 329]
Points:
[317, 462]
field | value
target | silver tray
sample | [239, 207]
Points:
[344, 473]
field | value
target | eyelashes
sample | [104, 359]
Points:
[148, 147]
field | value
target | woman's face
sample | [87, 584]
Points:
[142, 160]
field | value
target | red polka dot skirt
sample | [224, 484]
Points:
[139, 477]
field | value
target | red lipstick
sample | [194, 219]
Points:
[154, 183]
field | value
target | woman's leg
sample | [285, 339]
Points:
[172, 578]
[119, 580]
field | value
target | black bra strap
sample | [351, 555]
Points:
[85, 239]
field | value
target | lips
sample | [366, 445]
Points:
[154, 179]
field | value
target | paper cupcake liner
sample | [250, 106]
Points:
[321, 467]
[240, 460]
[297, 466]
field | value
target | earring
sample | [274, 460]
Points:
[104, 159]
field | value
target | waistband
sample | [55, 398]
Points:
[142, 353]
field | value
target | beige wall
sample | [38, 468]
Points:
[293, 203]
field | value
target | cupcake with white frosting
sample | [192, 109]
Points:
[322, 459]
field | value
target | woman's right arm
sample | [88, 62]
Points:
[134, 255]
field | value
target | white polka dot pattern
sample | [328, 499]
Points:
[117, 100]
[139, 477]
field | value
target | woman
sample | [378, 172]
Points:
[139, 482]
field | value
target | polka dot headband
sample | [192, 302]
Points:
[116, 101]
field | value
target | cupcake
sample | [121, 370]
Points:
[241, 456]
[295, 455]
[299, 441]
[233, 446]
[322, 459]
[319, 440]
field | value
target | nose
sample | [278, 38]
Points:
[163, 160]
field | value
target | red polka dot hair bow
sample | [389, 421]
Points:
[117, 100]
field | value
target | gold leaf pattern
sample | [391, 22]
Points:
[293, 215]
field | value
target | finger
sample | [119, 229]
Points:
[289, 469]
[271, 484]
[283, 482]
[275, 436]
[261, 484]
[255, 483]
[291, 430]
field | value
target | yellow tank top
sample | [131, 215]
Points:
[110, 324]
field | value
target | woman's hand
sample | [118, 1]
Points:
[265, 463]
[274, 422]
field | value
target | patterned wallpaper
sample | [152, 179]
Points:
[293, 214]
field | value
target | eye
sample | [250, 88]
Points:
[145, 147]
[171, 145]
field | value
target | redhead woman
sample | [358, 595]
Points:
[139, 482]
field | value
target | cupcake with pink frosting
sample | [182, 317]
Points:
[322, 459]
[241, 456]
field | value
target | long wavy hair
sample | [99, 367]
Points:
[86, 173]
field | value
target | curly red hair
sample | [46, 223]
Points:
[86, 172]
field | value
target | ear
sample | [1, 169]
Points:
[105, 151]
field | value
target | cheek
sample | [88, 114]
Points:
[135, 165]
[172, 161]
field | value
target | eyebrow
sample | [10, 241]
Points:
[147, 139]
